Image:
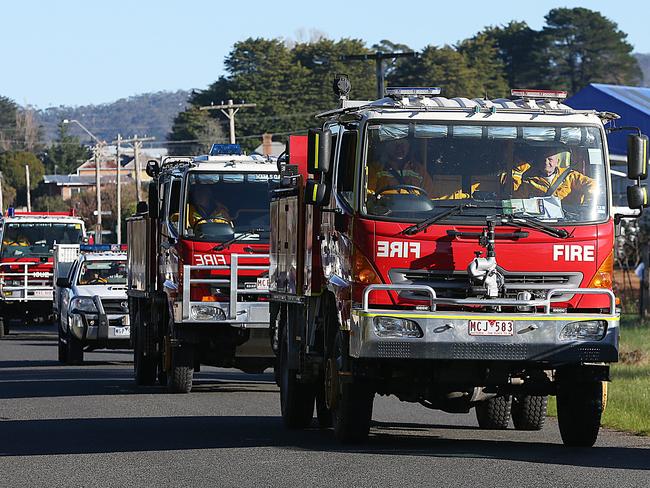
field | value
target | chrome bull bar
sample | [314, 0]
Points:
[508, 302]
[25, 287]
[232, 282]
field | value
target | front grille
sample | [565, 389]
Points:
[455, 284]
[116, 306]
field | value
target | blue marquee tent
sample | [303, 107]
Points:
[632, 103]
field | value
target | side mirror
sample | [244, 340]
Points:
[63, 282]
[315, 193]
[153, 200]
[319, 146]
[637, 196]
[153, 168]
[637, 157]
[142, 208]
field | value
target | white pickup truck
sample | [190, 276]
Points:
[93, 308]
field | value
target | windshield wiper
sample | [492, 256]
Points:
[223, 245]
[420, 226]
[534, 223]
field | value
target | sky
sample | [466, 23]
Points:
[78, 52]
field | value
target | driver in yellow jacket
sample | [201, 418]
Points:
[202, 208]
[546, 178]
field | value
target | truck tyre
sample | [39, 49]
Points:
[74, 350]
[179, 379]
[579, 408]
[494, 414]
[144, 366]
[529, 412]
[296, 399]
[353, 400]
[323, 413]
[63, 347]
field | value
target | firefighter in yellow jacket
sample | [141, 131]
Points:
[547, 177]
[203, 207]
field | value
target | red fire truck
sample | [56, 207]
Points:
[451, 252]
[26, 262]
[198, 267]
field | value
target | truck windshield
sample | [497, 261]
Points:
[37, 239]
[103, 273]
[553, 173]
[223, 206]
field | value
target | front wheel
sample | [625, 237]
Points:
[494, 414]
[179, 377]
[74, 350]
[296, 399]
[579, 409]
[350, 400]
[2, 327]
[529, 412]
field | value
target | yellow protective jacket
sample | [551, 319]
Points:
[195, 215]
[575, 188]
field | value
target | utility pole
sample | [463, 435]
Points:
[98, 191]
[378, 57]
[29, 193]
[136, 142]
[2, 205]
[118, 230]
[232, 109]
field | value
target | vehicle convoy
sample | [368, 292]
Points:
[91, 303]
[198, 267]
[26, 262]
[451, 252]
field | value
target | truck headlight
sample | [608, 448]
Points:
[396, 327]
[207, 312]
[587, 330]
[83, 304]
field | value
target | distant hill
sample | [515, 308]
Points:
[644, 64]
[148, 114]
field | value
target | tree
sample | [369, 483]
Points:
[50, 203]
[391, 65]
[193, 132]
[13, 171]
[586, 47]
[7, 122]
[480, 53]
[444, 67]
[523, 54]
[66, 154]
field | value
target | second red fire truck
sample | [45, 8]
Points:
[198, 267]
[456, 253]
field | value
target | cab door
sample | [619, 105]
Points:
[169, 235]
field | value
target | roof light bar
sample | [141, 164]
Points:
[412, 91]
[103, 247]
[226, 150]
[544, 94]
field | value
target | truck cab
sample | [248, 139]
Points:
[93, 309]
[456, 253]
[26, 262]
[198, 267]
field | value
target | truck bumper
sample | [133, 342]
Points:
[248, 315]
[446, 336]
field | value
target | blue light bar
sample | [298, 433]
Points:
[11, 212]
[102, 247]
[225, 150]
[411, 91]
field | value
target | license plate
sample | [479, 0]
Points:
[491, 327]
[122, 331]
[43, 293]
[262, 283]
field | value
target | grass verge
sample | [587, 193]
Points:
[628, 402]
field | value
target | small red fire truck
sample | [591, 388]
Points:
[26, 262]
[451, 252]
[198, 267]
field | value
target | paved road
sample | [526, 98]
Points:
[89, 426]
